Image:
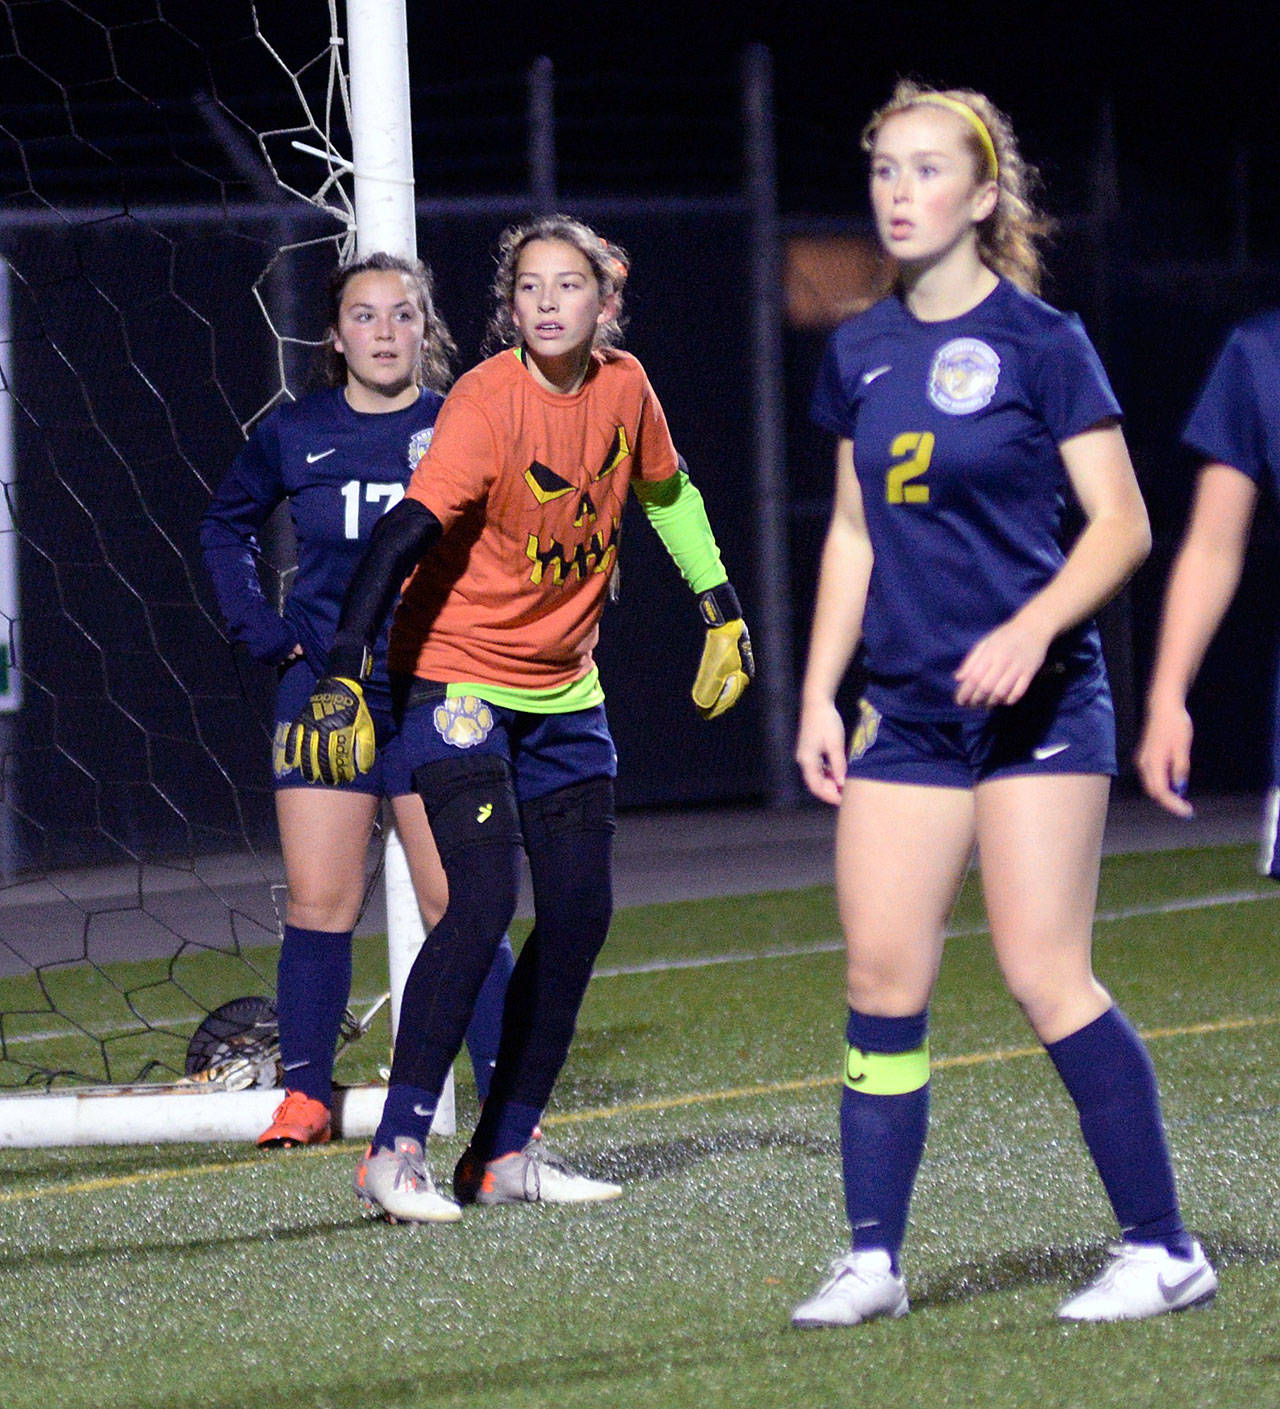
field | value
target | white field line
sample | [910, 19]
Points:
[706, 961]
[1132, 912]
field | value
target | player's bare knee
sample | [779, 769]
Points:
[326, 914]
[875, 984]
[1055, 1008]
[885, 999]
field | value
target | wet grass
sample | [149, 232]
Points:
[197, 1277]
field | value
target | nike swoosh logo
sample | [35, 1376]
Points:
[1171, 1291]
[869, 377]
[424, 1111]
[1049, 750]
[320, 454]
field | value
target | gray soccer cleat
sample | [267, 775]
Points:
[534, 1175]
[397, 1185]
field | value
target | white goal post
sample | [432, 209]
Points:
[382, 178]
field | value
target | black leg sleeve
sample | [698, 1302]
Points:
[569, 842]
[472, 809]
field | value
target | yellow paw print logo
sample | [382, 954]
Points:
[463, 722]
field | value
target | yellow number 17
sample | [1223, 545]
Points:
[917, 448]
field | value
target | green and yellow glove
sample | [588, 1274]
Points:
[727, 666]
[332, 739]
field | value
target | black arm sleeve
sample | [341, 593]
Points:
[401, 537]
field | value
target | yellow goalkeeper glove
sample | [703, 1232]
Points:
[332, 738]
[727, 666]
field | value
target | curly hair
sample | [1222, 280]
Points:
[609, 263]
[1009, 238]
[438, 348]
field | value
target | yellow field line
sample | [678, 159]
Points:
[809, 1083]
[147, 1176]
[667, 1103]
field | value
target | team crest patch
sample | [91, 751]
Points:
[280, 764]
[463, 722]
[418, 444]
[963, 376]
[865, 731]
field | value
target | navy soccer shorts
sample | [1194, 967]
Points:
[545, 752]
[1052, 729]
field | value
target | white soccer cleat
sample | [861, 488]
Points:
[860, 1286]
[1142, 1280]
[396, 1185]
[537, 1175]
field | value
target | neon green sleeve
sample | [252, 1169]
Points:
[679, 517]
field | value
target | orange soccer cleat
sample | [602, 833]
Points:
[299, 1120]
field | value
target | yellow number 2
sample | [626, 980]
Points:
[917, 448]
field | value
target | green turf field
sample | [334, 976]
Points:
[198, 1277]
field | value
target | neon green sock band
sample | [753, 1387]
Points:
[886, 1073]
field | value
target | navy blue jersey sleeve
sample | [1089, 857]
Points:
[242, 504]
[829, 406]
[1073, 389]
[1229, 422]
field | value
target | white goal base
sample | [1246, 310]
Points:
[150, 1115]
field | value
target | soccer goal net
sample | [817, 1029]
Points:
[176, 180]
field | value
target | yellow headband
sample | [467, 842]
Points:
[940, 100]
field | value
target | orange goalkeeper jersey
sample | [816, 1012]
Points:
[529, 486]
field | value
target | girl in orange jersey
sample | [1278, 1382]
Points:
[508, 533]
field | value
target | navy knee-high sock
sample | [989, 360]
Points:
[884, 1117]
[1109, 1076]
[313, 983]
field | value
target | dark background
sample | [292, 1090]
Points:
[138, 354]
